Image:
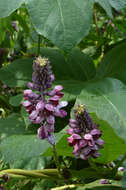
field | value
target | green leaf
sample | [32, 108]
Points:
[106, 98]
[113, 63]
[17, 73]
[105, 4]
[24, 147]
[11, 125]
[118, 4]
[38, 162]
[21, 147]
[7, 7]
[16, 100]
[63, 22]
[81, 66]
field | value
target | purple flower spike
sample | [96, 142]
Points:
[85, 136]
[44, 105]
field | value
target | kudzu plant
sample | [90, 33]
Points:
[62, 94]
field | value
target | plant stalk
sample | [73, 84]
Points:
[56, 160]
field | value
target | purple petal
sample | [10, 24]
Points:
[96, 154]
[49, 107]
[50, 119]
[62, 104]
[88, 137]
[30, 85]
[96, 133]
[26, 103]
[58, 88]
[69, 131]
[59, 113]
[76, 148]
[40, 105]
[33, 95]
[70, 140]
[42, 132]
[83, 157]
[86, 150]
[99, 142]
[52, 78]
[63, 113]
[33, 115]
[83, 143]
[91, 143]
[76, 136]
[27, 92]
[51, 139]
[38, 120]
[54, 98]
[50, 128]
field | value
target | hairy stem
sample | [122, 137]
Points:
[56, 160]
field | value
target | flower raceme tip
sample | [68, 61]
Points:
[85, 136]
[44, 104]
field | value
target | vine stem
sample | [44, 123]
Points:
[65, 187]
[56, 160]
[39, 40]
[19, 173]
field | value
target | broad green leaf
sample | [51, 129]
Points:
[17, 73]
[113, 63]
[118, 4]
[23, 147]
[81, 66]
[106, 98]
[71, 89]
[105, 4]
[16, 100]
[7, 6]
[12, 125]
[38, 162]
[108, 4]
[63, 22]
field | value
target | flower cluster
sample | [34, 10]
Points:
[44, 105]
[85, 136]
